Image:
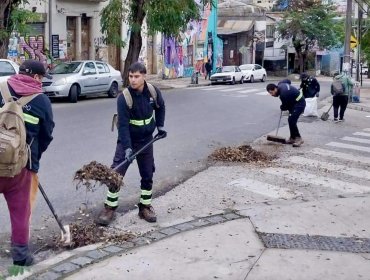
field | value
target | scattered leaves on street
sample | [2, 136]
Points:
[96, 173]
[244, 153]
[87, 232]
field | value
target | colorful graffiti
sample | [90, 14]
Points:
[183, 57]
[27, 47]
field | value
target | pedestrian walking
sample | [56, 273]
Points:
[341, 89]
[18, 175]
[293, 101]
[208, 67]
[309, 85]
[136, 125]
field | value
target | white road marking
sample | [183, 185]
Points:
[212, 88]
[345, 156]
[355, 172]
[308, 178]
[355, 139]
[362, 134]
[349, 146]
[263, 188]
[231, 89]
[262, 93]
[367, 129]
[248, 90]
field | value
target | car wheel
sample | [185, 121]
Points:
[113, 91]
[233, 82]
[263, 78]
[252, 79]
[241, 80]
[73, 94]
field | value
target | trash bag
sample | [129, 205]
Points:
[311, 107]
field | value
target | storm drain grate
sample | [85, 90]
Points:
[316, 242]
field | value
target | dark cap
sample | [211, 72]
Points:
[31, 67]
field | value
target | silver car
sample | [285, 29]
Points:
[81, 78]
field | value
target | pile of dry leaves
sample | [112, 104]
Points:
[96, 173]
[87, 232]
[244, 153]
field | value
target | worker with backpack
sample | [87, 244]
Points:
[26, 126]
[140, 110]
[341, 88]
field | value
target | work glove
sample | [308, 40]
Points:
[128, 155]
[317, 94]
[162, 132]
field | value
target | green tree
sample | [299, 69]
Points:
[169, 17]
[309, 24]
[13, 18]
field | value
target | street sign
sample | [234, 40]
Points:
[55, 46]
[354, 42]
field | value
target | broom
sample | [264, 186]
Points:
[275, 138]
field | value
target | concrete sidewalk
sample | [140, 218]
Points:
[303, 216]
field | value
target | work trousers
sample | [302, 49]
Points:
[340, 103]
[294, 114]
[20, 194]
[208, 74]
[145, 163]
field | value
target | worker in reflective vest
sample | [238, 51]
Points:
[292, 100]
[136, 125]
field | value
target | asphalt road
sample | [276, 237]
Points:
[198, 120]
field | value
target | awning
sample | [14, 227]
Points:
[228, 27]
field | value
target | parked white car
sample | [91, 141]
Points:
[227, 74]
[253, 72]
[7, 69]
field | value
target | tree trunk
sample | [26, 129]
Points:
[135, 43]
[4, 37]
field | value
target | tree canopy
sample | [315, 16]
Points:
[310, 25]
[13, 18]
[168, 17]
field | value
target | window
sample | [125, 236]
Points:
[270, 31]
[89, 68]
[101, 68]
[6, 69]
[189, 61]
[107, 70]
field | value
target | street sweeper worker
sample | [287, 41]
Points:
[309, 85]
[136, 126]
[20, 187]
[293, 101]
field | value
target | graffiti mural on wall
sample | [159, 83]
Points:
[27, 47]
[182, 58]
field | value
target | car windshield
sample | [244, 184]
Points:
[67, 68]
[6, 69]
[225, 69]
[246, 67]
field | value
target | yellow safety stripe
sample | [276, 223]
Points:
[145, 201]
[111, 203]
[145, 192]
[142, 122]
[30, 119]
[112, 195]
[299, 96]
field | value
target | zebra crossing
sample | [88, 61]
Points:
[233, 91]
[340, 167]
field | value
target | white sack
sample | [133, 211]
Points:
[311, 107]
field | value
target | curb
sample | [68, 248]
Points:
[71, 265]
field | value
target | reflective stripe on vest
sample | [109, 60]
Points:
[141, 122]
[299, 96]
[30, 119]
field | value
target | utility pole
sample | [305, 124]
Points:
[359, 35]
[347, 41]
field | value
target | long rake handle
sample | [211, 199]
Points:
[157, 137]
[51, 208]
